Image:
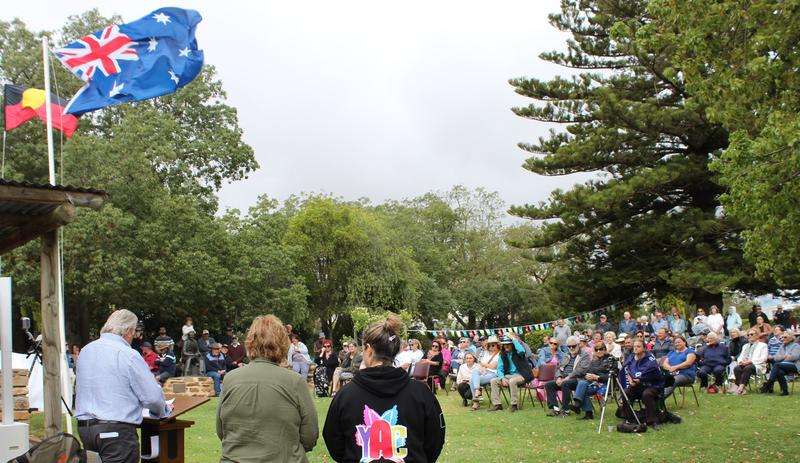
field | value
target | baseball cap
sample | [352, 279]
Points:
[205, 332]
[147, 344]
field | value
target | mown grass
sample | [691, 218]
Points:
[725, 428]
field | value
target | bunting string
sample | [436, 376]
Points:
[521, 329]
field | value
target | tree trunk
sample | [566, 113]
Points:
[704, 299]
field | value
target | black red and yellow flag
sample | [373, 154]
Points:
[22, 104]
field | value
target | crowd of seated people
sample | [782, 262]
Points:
[655, 355]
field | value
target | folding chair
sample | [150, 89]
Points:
[547, 373]
[420, 372]
[683, 395]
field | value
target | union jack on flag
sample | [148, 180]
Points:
[152, 56]
[102, 50]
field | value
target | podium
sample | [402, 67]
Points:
[162, 439]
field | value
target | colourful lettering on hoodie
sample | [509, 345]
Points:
[381, 437]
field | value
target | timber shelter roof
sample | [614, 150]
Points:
[29, 210]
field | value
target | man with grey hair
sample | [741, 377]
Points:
[113, 386]
[573, 367]
[786, 362]
[715, 359]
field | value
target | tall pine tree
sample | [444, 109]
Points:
[650, 220]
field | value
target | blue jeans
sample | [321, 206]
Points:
[584, 392]
[217, 381]
[479, 380]
[300, 368]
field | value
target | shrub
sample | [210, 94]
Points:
[535, 339]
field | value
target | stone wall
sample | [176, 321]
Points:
[189, 386]
[20, 395]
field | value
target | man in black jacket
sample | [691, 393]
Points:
[596, 377]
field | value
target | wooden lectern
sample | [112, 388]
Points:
[169, 432]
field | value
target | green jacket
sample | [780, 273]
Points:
[265, 414]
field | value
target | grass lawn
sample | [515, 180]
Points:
[725, 428]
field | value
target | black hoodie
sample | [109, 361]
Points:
[383, 416]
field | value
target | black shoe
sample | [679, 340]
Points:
[495, 408]
[784, 392]
[766, 388]
[464, 401]
[551, 412]
[588, 416]
[514, 408]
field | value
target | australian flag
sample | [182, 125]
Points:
[143, 59]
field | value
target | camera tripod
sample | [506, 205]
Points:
[35, 349]
[613, 380]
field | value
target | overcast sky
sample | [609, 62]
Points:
[385, 100]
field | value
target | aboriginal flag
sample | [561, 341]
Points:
[22, 104]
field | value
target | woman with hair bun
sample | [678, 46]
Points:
[382, 414]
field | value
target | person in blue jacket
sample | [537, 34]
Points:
[513, 370]
[644, 381]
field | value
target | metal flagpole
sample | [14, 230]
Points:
[62, 341]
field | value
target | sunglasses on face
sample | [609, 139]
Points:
[572, 346]
[598, 349]
[553, 343]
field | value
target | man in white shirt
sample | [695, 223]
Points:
[114, 384]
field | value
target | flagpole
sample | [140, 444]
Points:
[62, 341]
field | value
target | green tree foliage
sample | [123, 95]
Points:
[156, 248]
[470, 275]
[349, 257]
[739, 59]
[650, 219]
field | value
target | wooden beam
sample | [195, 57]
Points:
[37, 226]
[51, 356]
[42, 195]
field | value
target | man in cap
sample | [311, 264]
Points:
[572, 368]
[513, 370]
[204, 343]
[113, 386]
[216, 366]
[165, 361]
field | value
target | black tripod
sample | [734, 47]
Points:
[613, 379]
[35, 349]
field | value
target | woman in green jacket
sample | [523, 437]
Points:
[266, 413]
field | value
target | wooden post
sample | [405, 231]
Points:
[51, 335]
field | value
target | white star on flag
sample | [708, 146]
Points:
[152, 44]
[115, 89]
[184, 52]
[161, 18]
[173, 77]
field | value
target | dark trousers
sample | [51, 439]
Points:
[566, 388]
[779, 372]
[115, 442]
[648, 396]
[718, 372]
[465, 391]
[742, 374]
